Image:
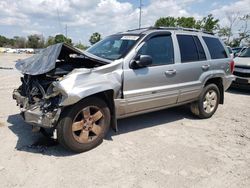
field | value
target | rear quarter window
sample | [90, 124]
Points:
[216, 49]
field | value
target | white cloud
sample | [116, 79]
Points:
[231, 11]
[31, 32]
[85, 17]
[240, 7]
[11, 15]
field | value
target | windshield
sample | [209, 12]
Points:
[245, 53]
[236, 50]
[114, 47]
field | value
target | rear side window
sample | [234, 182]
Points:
[200, 49]
[190, 48]
[160, 48]
[216, 49]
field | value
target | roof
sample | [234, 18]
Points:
[150, 29]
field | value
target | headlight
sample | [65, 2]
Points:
[52, 91]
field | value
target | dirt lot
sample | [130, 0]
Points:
[168, 148]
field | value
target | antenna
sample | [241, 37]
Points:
[140, 14]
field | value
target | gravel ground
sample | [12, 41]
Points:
[168, 148]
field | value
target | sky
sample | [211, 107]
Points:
[83, 17]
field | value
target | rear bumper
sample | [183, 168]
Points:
[34, 115]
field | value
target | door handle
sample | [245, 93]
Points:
[205, 67]
[170, 72]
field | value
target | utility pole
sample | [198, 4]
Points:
[66, 31]
[59, 21]
[140, 14]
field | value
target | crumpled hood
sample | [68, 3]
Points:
[242, 61]
[44, 61]
[84, 82]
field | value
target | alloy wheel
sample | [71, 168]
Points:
[88, 124]
[210, 101]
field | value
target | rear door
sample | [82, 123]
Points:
[192, 68]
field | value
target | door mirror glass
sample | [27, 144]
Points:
[141, 61]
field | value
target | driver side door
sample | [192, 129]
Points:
[152, 87]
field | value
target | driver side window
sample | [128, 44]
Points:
[160, 48]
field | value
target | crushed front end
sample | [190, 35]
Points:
[38, 104]
[38, 97]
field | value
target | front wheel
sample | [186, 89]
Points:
[84, 125]
[208, 102]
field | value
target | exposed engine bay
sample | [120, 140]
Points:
[38, 102]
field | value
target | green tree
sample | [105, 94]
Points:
[209, 23]
[61, 38]
[3, 41]
[94, 38]
[50, 41]
[187, 22]
[35, 41]
[235, 42]
[166, 22]
[81, 46]
[19, 42]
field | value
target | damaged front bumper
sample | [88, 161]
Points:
[34, 115]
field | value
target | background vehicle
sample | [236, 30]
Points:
[238, 50]
[242, 69]
[81, 94]
[230, 51]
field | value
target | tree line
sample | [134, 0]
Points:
[211, 24]
[207, 23]
[38, 41]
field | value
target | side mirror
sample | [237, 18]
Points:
[141, 61]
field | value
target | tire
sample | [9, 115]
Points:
[84, 125]
[208, 102]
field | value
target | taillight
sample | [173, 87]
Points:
[231, 64]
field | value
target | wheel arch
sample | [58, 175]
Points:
[108, 97]
[219, 82]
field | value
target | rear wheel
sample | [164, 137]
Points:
[84, 125]
[208, 102]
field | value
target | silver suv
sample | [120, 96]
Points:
[79, 95]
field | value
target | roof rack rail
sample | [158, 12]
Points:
[185, 29]
[173, 28]
[143, 28]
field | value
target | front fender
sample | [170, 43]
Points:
[78, 86]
